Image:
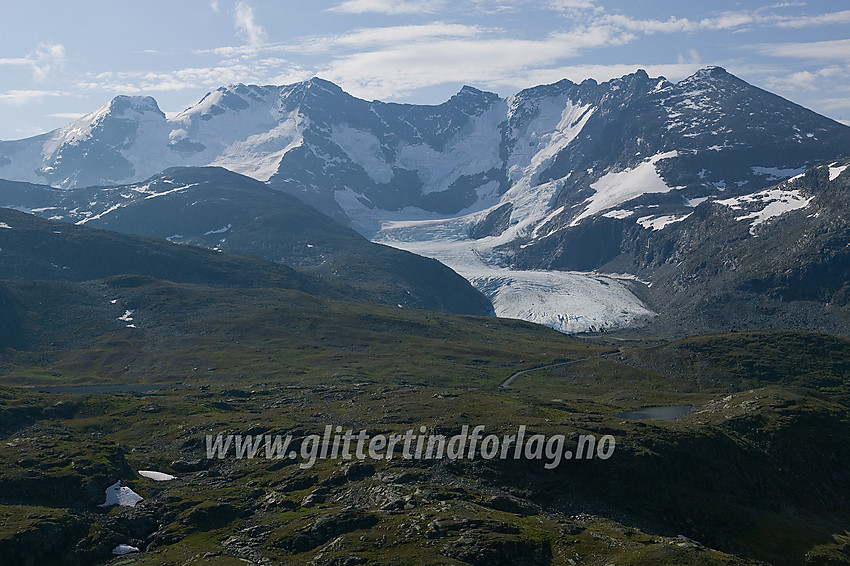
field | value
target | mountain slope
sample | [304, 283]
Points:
[218, 209]
[774, 258]
[552, 178]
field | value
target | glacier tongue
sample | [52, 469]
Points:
[567, 301]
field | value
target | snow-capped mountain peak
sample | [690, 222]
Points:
[555, 176]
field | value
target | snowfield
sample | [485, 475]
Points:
[615, 188]
[776, 202]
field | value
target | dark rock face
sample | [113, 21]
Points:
[496, 222]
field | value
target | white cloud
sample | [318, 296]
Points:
[18, 97]
[497, 7]
[48, 57]
[726, 21]
[255, 71]
[357, 39]
[838, 50]
[835, 103]
[247, 27]
[736, 21]
[16, 61]
[214, 6]
[388, 7]
[806, 80]
[370, 37]
[833, 18]
[401, 69]
[564, 5]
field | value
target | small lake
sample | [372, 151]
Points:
[671, 413]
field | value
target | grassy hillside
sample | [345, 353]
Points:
[754, 472]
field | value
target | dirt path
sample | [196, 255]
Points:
[509, 381]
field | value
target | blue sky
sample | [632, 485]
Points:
[59, 60]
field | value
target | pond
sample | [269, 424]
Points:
[670, 413]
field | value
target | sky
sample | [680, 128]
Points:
[60, 60]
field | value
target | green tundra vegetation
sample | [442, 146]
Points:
[756, 471]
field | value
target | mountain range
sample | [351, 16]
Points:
[562, 204]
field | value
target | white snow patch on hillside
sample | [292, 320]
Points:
[5, 226]
[834, 172]
[775, 173]
[776, 202]
[156, 476]
[127, 316]
[695, 202]
[20, 165]
[364, 149]
[112, 208]
[618, 214]
[615, 188]
[659, 222]
[123, 549]
[221, 230]
[169, 191]
[122, 496]
[549, 217]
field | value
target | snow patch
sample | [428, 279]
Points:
[169, 191]
[834, 172]
[472, 151]
[695, 202]
[121, 496]
[659, 222]
[615, 188]
[5, 226]
[156, 476]
[219, 231]
[619, 214]
[112, 208]
[23, 209]
[776, 203]
[123, 549]
[569, 302]
[775, 173]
